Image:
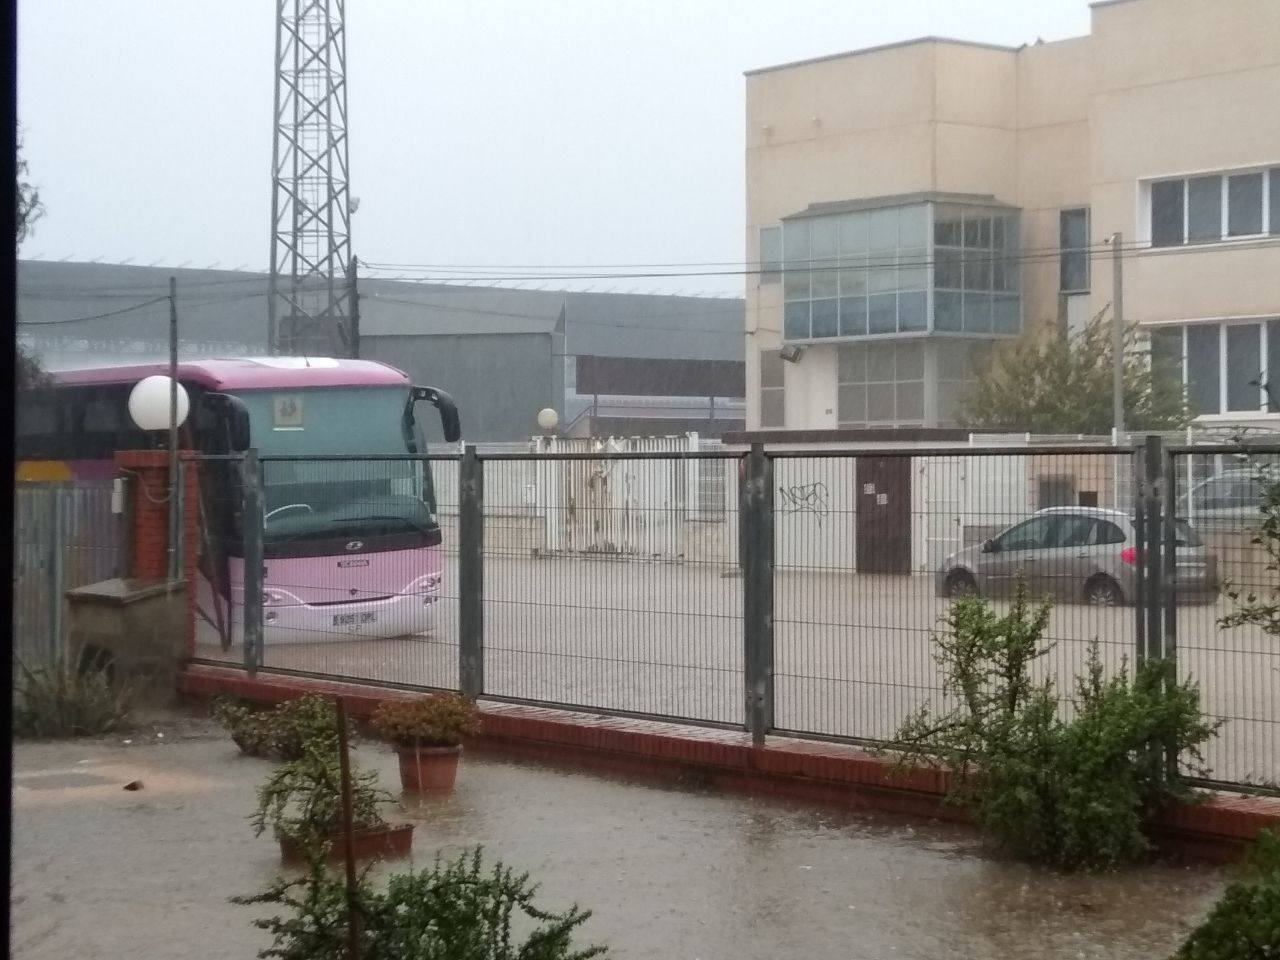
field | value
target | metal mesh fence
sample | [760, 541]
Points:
[1219, 494]
[617, 581]
[355, 581]
[65, 535]
[601, 590]
[871, 549]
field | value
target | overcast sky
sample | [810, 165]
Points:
[559, 132]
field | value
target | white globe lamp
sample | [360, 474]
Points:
[149, 403]
[548, 419]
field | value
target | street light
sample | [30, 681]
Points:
[161, 403]
[548, 419]
[149, 404]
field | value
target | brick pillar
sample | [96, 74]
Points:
[148, 472]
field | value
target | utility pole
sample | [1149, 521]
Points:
[174, 486]
[1117, 335]
[353, 340]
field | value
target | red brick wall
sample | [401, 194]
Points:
[148, 474]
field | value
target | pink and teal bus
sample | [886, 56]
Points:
[351, 540]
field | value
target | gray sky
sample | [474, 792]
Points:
[552, 133]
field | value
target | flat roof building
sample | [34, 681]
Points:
[911, 206]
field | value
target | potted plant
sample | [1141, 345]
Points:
[428, 735]
[302, 804]
[281, 733]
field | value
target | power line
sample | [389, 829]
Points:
[96, 316]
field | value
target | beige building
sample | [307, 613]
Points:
[914, 204]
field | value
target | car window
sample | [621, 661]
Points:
[1034, 534]
[1108, 532]
[1186, 537]
[1075, 531]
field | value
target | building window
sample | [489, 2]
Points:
[917, 268]
[880, 384]
[1073, 241]
[1214, 207]
[1223, 366]
[976, 270]
[773, 407]
[770, 254]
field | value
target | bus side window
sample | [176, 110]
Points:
[37, 426]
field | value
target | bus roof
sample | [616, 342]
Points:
[251, 373]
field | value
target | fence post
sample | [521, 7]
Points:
[471, 574]
[1169, 535]
[57, 561]
[1153, 491]
[1139, 486]
[252, 522]
[755, 504]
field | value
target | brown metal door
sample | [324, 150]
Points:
[884, 515]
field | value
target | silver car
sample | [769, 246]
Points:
[1073, 553]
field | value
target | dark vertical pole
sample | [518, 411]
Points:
[1153, 489]
[1169, 534]
[348, 831]
[251, 534]
[756, 507]
[471, 574]
[175, 522]
[354, 280]
[1140, 567]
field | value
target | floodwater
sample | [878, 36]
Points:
[671, 872]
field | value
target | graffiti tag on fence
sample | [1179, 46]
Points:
[811, 498]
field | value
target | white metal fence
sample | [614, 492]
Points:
[65, 535]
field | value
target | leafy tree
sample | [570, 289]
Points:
[30, 209]
[1063, 384]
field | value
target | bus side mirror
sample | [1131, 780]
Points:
[232, 411]
[449, 422]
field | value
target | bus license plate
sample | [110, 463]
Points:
[354, 619]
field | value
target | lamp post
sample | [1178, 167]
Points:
[548, 419]
[155, 404]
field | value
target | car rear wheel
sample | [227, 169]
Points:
[1103, 592]
[960, 583]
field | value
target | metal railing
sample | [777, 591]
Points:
[805, 600]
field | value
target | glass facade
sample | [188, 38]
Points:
[913, 269]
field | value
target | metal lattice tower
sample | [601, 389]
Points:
[311, 299]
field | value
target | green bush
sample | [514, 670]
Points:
[64, 701]
[1245, 923]
[454, 911]
[285, 731]
[302, 799]
[1078, 792]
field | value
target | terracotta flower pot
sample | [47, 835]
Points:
[389, 840]
[428, 769]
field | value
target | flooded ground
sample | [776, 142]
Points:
[101, 872]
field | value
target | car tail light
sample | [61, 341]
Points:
[1129, 555]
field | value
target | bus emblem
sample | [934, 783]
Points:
[355, 545]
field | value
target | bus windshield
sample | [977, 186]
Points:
[323, 499]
